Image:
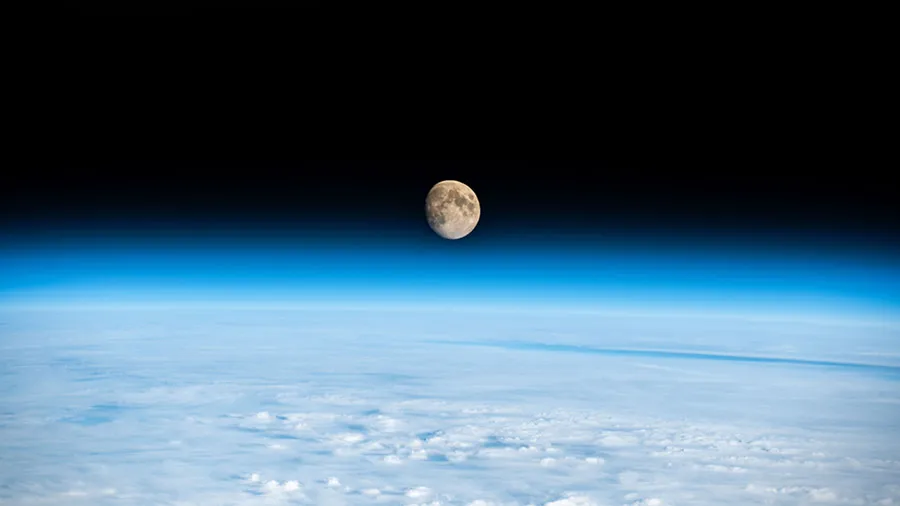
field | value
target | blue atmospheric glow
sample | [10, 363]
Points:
[750, 281]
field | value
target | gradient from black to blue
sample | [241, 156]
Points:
[587, 233]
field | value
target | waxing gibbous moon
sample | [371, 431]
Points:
[452, 209]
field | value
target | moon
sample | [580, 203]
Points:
[452, 209]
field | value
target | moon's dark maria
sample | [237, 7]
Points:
[452, 209]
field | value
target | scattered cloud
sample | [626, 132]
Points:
[160, 417]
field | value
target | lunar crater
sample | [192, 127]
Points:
[452, 209]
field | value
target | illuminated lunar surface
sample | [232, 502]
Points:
[452, 209]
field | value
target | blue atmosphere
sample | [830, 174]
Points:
[812, 284]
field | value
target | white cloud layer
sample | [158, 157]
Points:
[283, 408]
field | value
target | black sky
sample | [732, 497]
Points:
[632, 200]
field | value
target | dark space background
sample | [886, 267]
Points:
[521, 200]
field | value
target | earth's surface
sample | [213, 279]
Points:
[264, 407]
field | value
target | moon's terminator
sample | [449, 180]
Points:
[452, 209]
